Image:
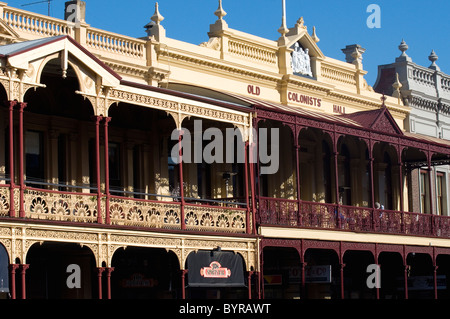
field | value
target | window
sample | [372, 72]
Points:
[62, 161]
[174, 179]
[115, 180]
[92, 166]
[137, 171]
[34, 156]
[424, 190]
[441, 209]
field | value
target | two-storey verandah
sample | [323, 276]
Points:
[89, 179]
[323, 203]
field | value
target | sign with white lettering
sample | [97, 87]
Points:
[215, 269]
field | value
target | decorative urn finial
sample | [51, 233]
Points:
[403, 47]
[433, 58]
[220, 12]
[157, 17]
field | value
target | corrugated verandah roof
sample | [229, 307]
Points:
[364, 120]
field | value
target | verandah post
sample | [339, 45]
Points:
[107, 194]
[12, 211]
[22, 106]
[97, 157]
[180, 165]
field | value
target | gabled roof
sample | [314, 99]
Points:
[379, 120]
[20, 54]
[10, 50]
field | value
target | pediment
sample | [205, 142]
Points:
[385, 122]
[31, 57]
[299, 33]
[7, 33]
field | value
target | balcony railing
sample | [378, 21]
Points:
[285, 213]
[53, 204]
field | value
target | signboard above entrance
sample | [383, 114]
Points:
[215, 269]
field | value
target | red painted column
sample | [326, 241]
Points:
[303, 291]
[336, 182]
[12, 211]
[249, 282]
[183, 283]
[400, 173]
[97, 158]
[376, 263]
[109, 270]
[253, 157]
[406, 270]
[22, 106]
[435, 268]
[12, 276]
[261, 274]
[342, 265]
[23, 269]
[430, 184]
[107, 194]
[297, 171]
[180, 165]
[375, 217]
[407, 267]
[248, 230]
[100, 270]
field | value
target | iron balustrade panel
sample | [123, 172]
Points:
[60, 206]
[4, 200]
[275, 211]
[389, 221]
[319, 215]
[127, 211]
[215, 219]
[284, 213]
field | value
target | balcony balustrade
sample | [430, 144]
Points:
[222, 216]
[78, 207]
[285, 213]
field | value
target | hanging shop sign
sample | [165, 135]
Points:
[215, 269]
[422, 283]
[318, 274]
[138, 280]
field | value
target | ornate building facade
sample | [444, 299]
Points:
[426, 91]
[88, 177]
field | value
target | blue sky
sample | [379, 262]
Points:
[424, 25]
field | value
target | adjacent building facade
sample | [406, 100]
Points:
[426, 91]
[93, 180]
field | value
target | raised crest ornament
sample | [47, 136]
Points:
[301, 62]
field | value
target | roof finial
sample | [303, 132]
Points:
[433, 58]
[403, 57]
[220, 12]
[157, 17]
[154, 27]
[383, 100]
[397, 86]
[283, 29]
[314, 35]
[403, 47]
